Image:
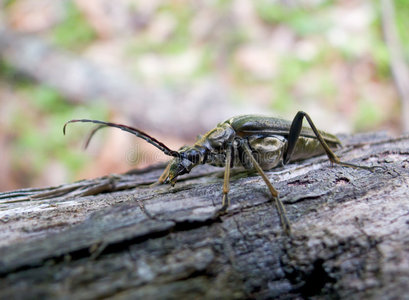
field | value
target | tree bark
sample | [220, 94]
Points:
[118, 237]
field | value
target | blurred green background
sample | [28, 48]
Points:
[327, 58]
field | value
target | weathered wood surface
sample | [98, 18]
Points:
[117, 237]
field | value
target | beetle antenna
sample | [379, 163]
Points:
[91, 134]
[126, 128]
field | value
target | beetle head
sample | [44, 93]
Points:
[178, 166]
[188, 159]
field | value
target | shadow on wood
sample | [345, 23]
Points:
[118, 237]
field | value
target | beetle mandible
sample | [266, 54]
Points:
[252, 141]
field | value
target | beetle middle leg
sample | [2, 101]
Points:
[294, 134]
[226, 181]
[285, 223]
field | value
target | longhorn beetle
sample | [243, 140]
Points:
[252, 141]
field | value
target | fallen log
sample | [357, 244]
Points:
[117, 236]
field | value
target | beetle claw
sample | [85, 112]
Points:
[221, 211]
[377, 168]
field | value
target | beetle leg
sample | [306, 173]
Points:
[294, 134]
[162, 177]
[226, 182]
[285, 223]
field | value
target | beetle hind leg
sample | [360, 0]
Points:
[294, 134]
[369, 168]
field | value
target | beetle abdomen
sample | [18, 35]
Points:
[307, 147]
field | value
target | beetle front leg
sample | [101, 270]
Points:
[294, 134]
[285, 223]
[162, 177]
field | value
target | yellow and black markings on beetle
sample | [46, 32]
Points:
[252, 141]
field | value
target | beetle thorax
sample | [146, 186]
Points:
[217, 159]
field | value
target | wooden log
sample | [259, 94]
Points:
[118, 237]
